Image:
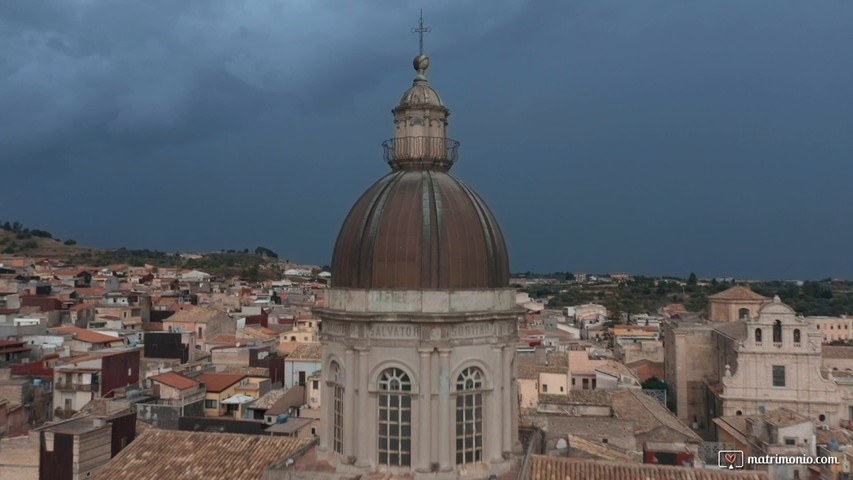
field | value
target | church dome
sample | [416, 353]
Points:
[420, 229]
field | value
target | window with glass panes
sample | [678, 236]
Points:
[395, 418]
[469, 416]
[338, 406]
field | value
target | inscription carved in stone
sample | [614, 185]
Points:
[396, 331]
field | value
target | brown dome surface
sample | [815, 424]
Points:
[420, 229]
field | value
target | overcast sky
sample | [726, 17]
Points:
[640, 136]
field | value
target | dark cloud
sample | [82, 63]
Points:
[648, 137]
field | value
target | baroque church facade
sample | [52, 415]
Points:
[773, 360]
[420, 325]
[753, 356]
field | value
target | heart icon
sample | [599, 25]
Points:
[730, 457]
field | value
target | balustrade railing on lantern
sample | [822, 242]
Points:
[420, 149]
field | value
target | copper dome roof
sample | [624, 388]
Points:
[420, 229]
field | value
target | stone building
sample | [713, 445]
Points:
[734, 304]
[763, 362]
[688, 359]
[772, 361]
[420, 325]
[833, 328]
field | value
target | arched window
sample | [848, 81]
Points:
[758, 336]
[743, 313]
[395, 418]
[469, 416]
[336, 378]
[797, 335]
[777, 332]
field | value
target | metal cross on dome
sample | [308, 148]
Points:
[421, 30]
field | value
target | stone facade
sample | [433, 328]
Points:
[773, 361]
[434, 346]
[689, 354]
[765, 362]
[420, 328]
[734, 304]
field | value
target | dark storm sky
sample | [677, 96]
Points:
[640, 136]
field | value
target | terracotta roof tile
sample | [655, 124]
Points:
[217, 382]
[194, 315]
[561, 468]
[651, 417]
[268, 399]
[836, 351]
[176, 380]
[83, 358]
[307, 351]
[579, 397]
[89, 336]
[176, 455]
[91, 291]
[737, 293]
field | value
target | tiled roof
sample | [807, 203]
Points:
[176, 455]
[562, 468]
[836, 351]
[295, 397]
[256, 334]
[614, 368]
[599, 451]
[557, 363]
[89, 336]
[176, 380]
[268, 399]
[651, 418]
[262, 372]
[737, 293]
[307, 351]
[580, 397]
[92, 356]
[840, 436]
[783, 417]
[217, 382]
[81, 306]
[91, 291]
[735, 329]
[194, 315]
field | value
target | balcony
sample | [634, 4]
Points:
[77, 387]
[421, 151]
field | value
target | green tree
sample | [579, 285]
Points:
[266, 252]
[692, 280]
[70, 242]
